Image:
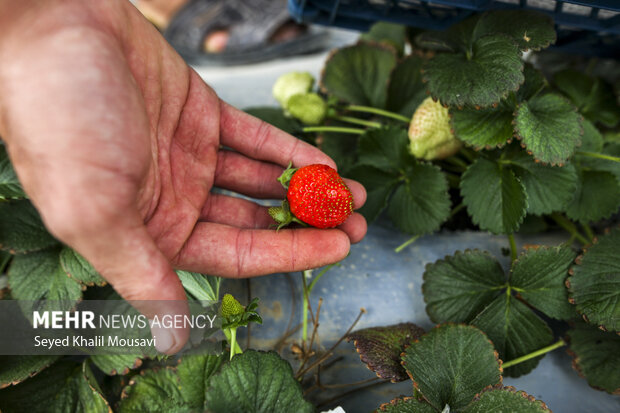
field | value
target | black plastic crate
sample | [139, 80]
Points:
[584, 26]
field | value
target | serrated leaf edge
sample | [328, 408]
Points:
[333, 52]
[575, 359]
[367, 362]
[571, 272]
[480, 147]
[517, 132]
[425, 80]
[394, 403]
[440, 326]
[447, 258]
[30, 375]
[511, 389]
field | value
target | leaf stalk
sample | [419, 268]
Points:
[375, 111]
[513, 247]
[544, 350]
[569, 227]
[406, 244]
[333, 129]
[600, 156]
[356, 121]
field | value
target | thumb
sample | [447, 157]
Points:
[126, 256]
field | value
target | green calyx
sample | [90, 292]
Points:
[230, 306]
[286, 176]
[283, 216]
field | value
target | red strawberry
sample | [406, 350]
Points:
[316, 195]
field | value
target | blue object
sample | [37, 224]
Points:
[583, 26]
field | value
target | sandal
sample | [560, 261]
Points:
[252, 31]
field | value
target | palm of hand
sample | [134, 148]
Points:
[118, 144]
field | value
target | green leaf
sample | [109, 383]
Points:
[550, 128]
[451, 364]
[112, 364]
[494, 197]
[597, 164]
[380, 348]
[458, 37]
[39, 276]
[276, 117]
[422, 204]
[390, 34]
[596, 356]
[506, 399]
[459, 286]
[341, 147]
[153, 391]
[538, 276]
[592, 140]
[515, 331]
[597, 196]
[534, 82]
[406, 405]
[64, 387]
[5, 258]
[10, 188]
[201, 287]
[256, 382]
[548, 188]
[21, 228]
[359, 74]
[483, 128]
[385, 149]
[405, 88]
[79, 269]
[195, 372]
[592, 96]
[594, 286]
[529, 29]
[15, 369]
[478, 77]
[379, 186]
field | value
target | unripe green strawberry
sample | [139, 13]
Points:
[316, 195]
[309, 108]
[230, 306]
[430, 134]
[290, 84]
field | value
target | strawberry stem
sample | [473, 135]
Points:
[406, 243]
[335, 129]
[513, 247]
[306, 293]
[356, 121]
[569, 227]
[534, 354]
[231, 336]
[600, 156]
[381, 112]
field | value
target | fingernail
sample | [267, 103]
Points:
[164, 339]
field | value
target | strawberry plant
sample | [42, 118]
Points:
[466, 128]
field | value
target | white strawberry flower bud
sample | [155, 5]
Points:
[290, 84]
[430, 134]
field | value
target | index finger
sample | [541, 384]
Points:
[259, 140]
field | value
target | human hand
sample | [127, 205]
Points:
[118, 144]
